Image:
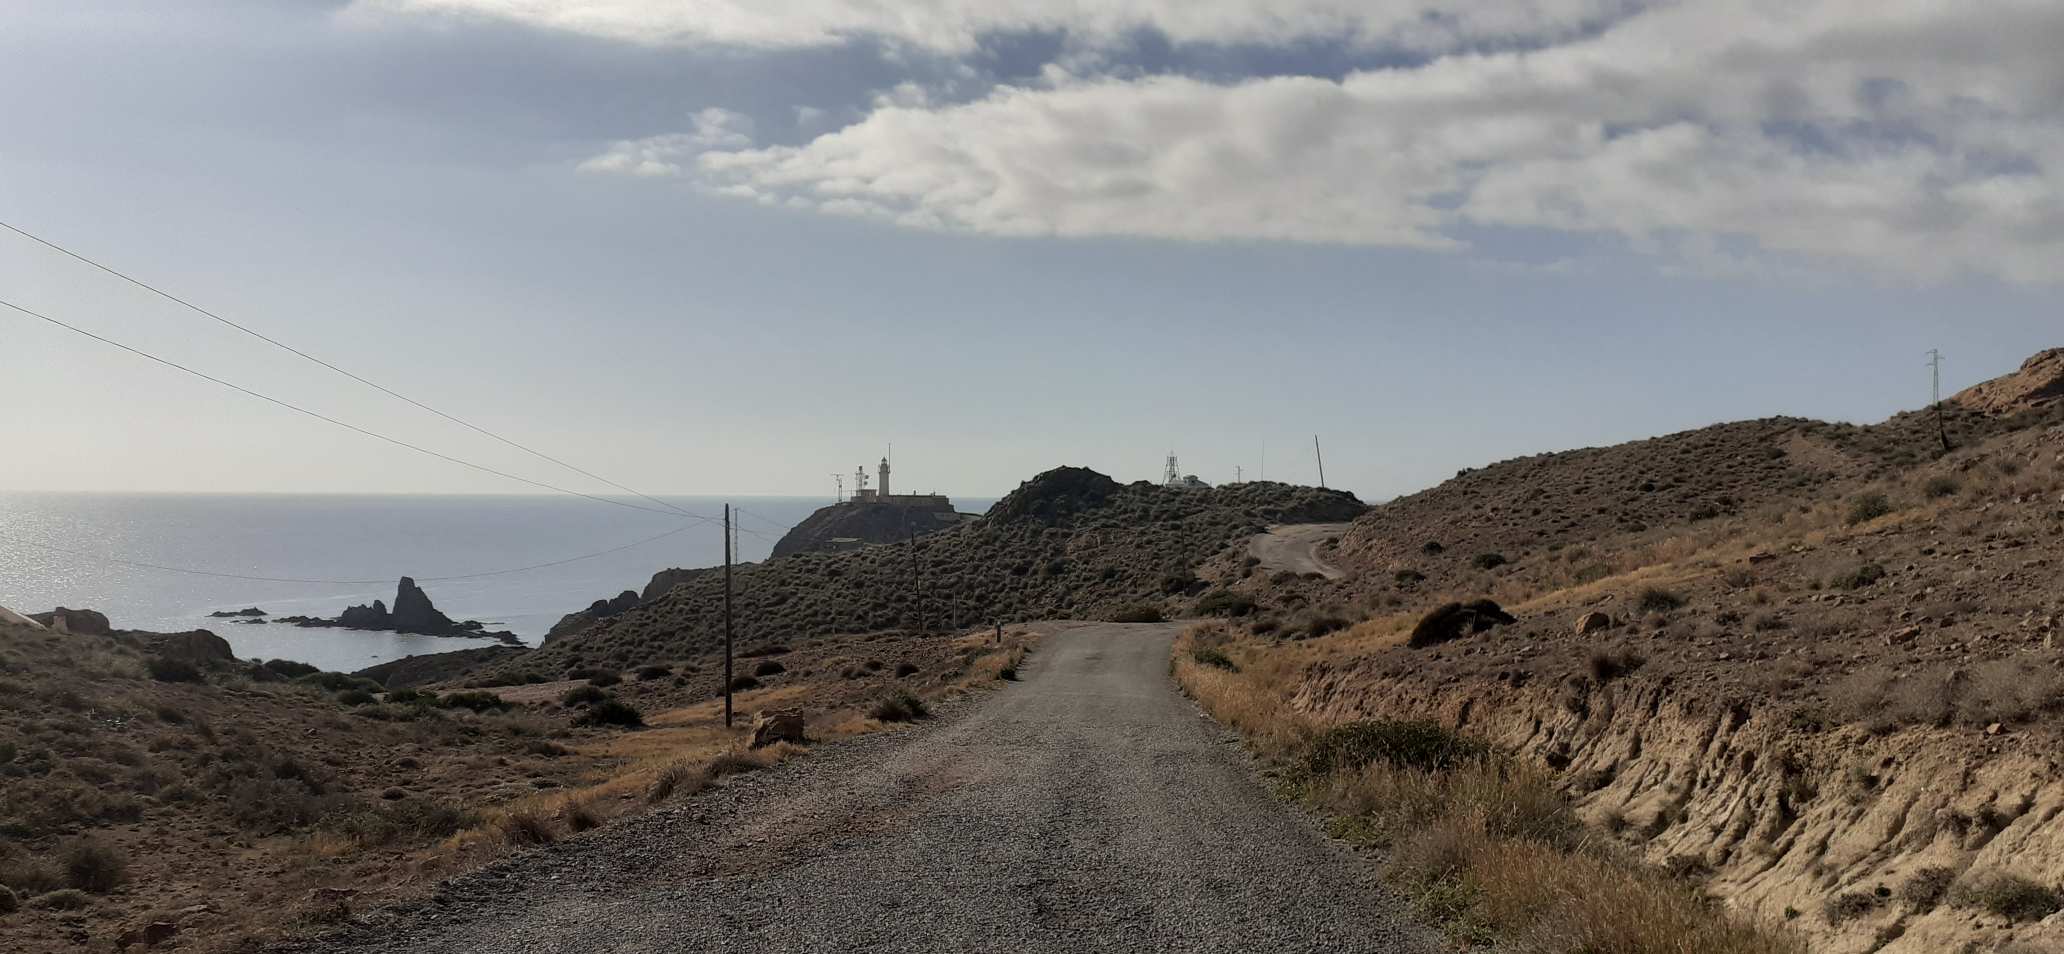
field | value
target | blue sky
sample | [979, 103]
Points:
[705, 250]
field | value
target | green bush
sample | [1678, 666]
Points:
[1867, 507]
[901, 707]
[356, 697]
[1654, 600]
[649, 673]
[1488, 561]
[93, 866]
[743, 682]
[1209, 656]
[1225, 603]
[172, 670]
[612, 712]
[583, 696]
[474, 701]
[1137, 613]
[1858, 578]
[337, 682]
[68, 899]
[289, 668]
[2009, 896]
[769, 667]
[1941, 486]
[1403, 743]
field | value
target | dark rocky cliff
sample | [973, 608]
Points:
[845, 526]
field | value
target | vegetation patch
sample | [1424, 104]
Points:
[900, 707]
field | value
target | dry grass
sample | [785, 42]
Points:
[1487, 847]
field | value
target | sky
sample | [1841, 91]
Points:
[723, 246]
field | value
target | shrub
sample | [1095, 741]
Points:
[1408, 577]
[1137, 613]
[172, 670]
[407, 821]
[93, 866]
[906, 669]
[1655, 600]
[741, 683]
[1208, 656]
[289, 668]
[418, 696]
[337, 682]
[901, 707]
[478, 700]
[767, 649]
[2009, 896]
[68, 899]
[1606, 667]
[1225, 603]
[649, 673]
[8, 902]
[1431, 548]
[769, 668]
[1452, 621]
[1941, 486]
[525, 828]
[583, 696]
[1867, 507]
[580, 816]
[1927, 888]
[1401, 743]
[1858, 578]
[683, 777]
[1849, 905]
[612, 712]
[356, 697]
[1488, 561]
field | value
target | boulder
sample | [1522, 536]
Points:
[1455, 620]
[199, 647]
[779, 725]
[84, 622]
[149, 935]
[1593, 622]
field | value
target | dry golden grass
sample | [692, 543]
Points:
[1488, 848]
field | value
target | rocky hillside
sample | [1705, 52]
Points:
[1070, 543]
[1814, 667]
[848, 526]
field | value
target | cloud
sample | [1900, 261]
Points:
[957, 26]
[1909, 136]
[666, 155]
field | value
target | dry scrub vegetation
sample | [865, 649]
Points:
[1482, 843]
[231, 802]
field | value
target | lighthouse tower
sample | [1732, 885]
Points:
[882, 487]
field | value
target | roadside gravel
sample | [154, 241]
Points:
[1088, 808]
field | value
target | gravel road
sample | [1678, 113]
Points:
[1294, 547]
[1088, 808]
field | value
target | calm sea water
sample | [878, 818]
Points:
[57, 549]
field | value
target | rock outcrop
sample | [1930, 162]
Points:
[84, 622]
[1456, 620]
[412, 613]
[199, 647]
[779, 725]
[2038, 382]
[409, 672]
[848, 526]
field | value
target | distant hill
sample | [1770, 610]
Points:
[1069, 543]
[853, 524]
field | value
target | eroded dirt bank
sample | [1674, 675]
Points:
[1901, 842]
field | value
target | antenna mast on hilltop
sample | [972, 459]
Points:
[840, 481]
[1321, 458]
[1173, 474]
[1935, 395]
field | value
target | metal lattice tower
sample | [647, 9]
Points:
[1173, 475]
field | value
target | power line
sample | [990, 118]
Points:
[168, 296]
[676, 512]
[425, 579]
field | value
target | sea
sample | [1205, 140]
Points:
[164, 562]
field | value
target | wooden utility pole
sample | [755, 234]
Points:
[1321, 459]
[727, 616]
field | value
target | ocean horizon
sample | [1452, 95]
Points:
[165, 561]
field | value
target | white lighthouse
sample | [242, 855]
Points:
[882, 486]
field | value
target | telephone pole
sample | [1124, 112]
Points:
[1321, 459]
[727, 616]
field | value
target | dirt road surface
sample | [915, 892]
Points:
[1088, 808]
[1294, 547]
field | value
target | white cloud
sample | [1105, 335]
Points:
[665, 155]
[1911, 136]
[955, 26]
